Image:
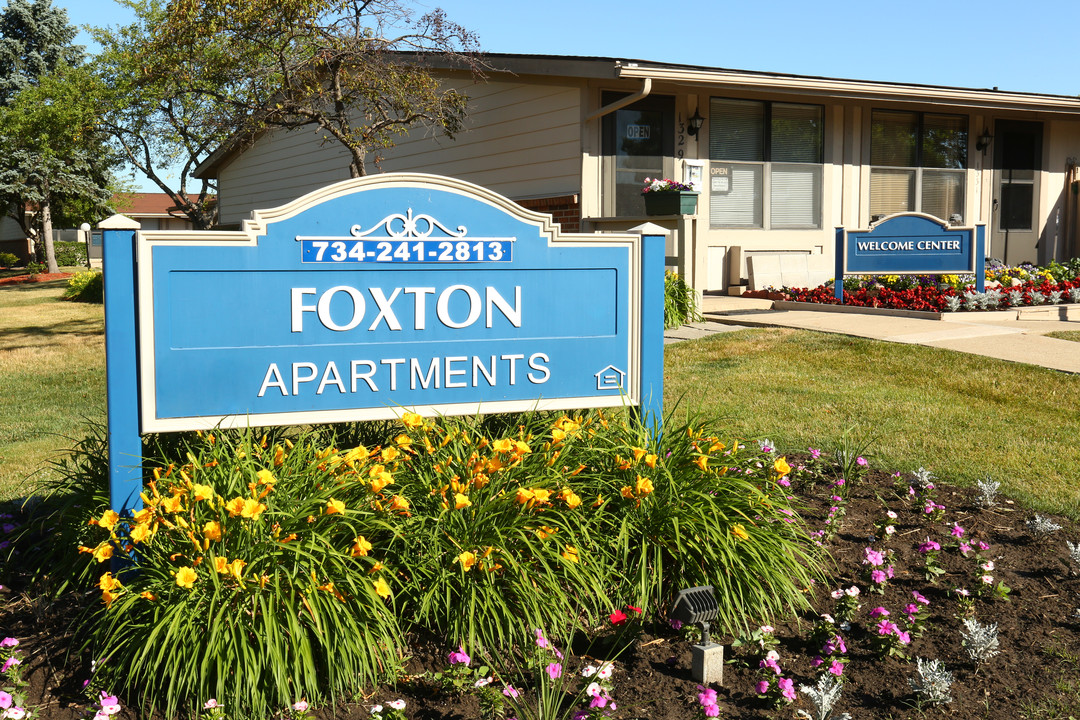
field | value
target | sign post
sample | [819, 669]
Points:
[910, 244]
[121, 368]
[370, 298]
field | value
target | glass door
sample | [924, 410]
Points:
[1017, 162]
[638, 142]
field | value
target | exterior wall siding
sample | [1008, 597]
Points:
[520, 140]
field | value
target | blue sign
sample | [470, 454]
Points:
[380, 295]
[910, 244]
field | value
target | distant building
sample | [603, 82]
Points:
[153, 211]
[780, 160]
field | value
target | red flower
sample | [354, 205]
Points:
[618, 617]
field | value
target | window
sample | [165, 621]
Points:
[917, 163]
[765, 165]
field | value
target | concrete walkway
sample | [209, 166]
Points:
[1009, 335]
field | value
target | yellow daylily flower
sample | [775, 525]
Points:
[570, 554]
[739, 531]
[172, 504]
[461, 501]
[644, 485]
[334, 507]
[235, 506]
[265, 477]
[781, 467]
[202, 492]
[503, 446]
[103, 552]
[140, 532]
[361, 546]
[186, 577]
[378, 482]
[412, 420]
[382, 588]
[467, 560]
[108, 519]
[252, 509]
[212, 530]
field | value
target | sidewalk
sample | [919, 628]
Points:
[999, 335]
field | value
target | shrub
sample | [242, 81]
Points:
[70, 253]
[259, 580]
[498, 540]
[8, 259]
[88, 287]
[698, 510]
[680, 301]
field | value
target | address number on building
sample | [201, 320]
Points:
[407, 251]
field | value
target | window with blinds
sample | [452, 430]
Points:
[917, 163]
[766, 164]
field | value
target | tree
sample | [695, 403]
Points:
[157, 125]
[35, 39]
[53, 154]
[347, 67]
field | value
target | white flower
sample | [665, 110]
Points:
[605, 671]
[891, 515]
[852, 591]
[397, 704]
[889, 529]
[594, 689]
[961, 591]
[772, 655]
[766, 629]
[988, 565]
[588, 671]
[987, 579]
[837, 594]
[483, 682]
[375, 710]
[828, 618]
[15, 713]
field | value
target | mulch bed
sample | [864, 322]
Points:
[38, 278]
[1036, 675]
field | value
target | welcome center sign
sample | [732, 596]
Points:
[910, 244]
[371, 297]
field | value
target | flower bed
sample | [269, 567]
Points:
[916, 561]
[1007, 287]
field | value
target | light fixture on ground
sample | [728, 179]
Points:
[697, 605]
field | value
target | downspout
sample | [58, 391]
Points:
[646, 88]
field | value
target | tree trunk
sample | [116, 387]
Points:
[47, 232]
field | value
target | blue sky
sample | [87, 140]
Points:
[1033, 46]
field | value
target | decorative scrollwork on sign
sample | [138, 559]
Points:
[410, 227]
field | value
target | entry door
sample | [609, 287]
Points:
[1014, 236]
[639, 142]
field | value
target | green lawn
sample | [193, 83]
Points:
[1073, 335]
[962, 416]
[52, 378]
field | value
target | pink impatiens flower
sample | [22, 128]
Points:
[763, 687]
[787, 688]
[836, 668]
